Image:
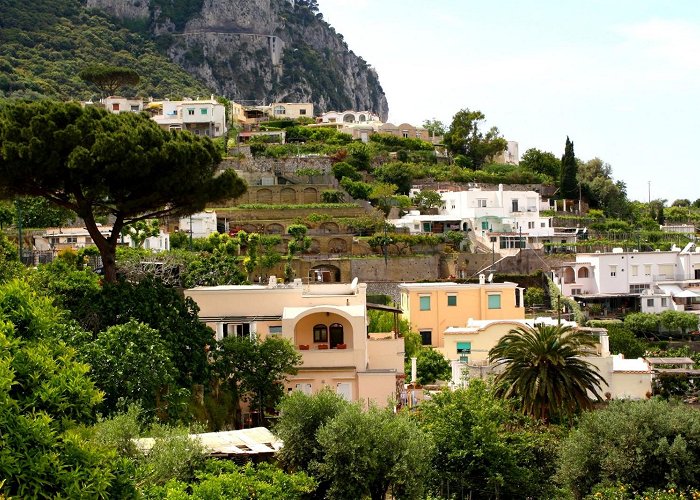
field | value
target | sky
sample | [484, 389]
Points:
[621, 78]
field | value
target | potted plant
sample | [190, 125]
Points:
[323, 346]
[341, 346]
[303, 347]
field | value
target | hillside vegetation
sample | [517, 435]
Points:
[45, 43]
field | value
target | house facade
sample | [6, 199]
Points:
[61, 238]
[205, 117]
[656, 281]
[431, 308]
[327, 323]
[467, 348]
[506, 220]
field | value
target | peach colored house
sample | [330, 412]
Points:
[431, 308]
[327, 323]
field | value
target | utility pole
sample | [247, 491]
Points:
[649, 191]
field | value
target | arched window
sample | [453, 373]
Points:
[280, 110]
[320, 333]
[336, 330]
[583, 272]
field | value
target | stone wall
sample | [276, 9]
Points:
[414, 268]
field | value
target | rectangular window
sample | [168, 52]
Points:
[463, 350]
[484, 224]
[664, 302]
[647, 269]
[426, 337]
[302, 111]
[494, 301]
[481, 203]
[135, 108]
[115, 106]
[305, 388]
[650, 302]
[531, 225]
[638, 288]
[427, 227]
[514, 206]
[634, 270]
[451, 300]
[275, 330]
[425, 303]
[241, 330]
[190, 111]
[613, 270]
[203, 111]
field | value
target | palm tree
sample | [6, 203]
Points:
[544, 371]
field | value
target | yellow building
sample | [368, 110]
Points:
[326, 322]
[431, 308]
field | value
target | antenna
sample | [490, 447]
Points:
[490, 278]
[353, 285]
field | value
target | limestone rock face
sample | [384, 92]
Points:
[259, 51]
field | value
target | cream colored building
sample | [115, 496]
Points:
[291, 110]
[431, 308]
[327, 323]
[467, 348]
[201, 117]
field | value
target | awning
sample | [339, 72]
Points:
[678, 292]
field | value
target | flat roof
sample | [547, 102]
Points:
[451, 284]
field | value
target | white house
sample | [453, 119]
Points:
[348, 116]
[61, 238]
[201, 117]
[200, 225]
[659, 280]
[506, 219]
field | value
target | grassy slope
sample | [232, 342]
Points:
[45, 43]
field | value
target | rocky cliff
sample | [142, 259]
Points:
[257, 50]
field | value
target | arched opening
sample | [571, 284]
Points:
[264, 196]
[288, 195]
[349, 118]
[310, 195]
[275, 228]
[249, 228]
[329, 227]
[569, 275]
[583, 272]
[336, 335]
[337, 245]
[280, 110]
[315, 247]
[327, 273]
[362, 118]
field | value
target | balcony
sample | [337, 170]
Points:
[325, 358]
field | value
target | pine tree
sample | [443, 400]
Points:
[568, 185]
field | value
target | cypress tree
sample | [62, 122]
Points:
[568, 185]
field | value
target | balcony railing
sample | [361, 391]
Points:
[322, 358]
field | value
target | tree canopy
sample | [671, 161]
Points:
[96, 163]
[109, 78]
[568, 185]
[465, 138]
[543, 370]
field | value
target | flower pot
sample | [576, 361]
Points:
[303, 347]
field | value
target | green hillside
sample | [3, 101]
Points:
[45, 43]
